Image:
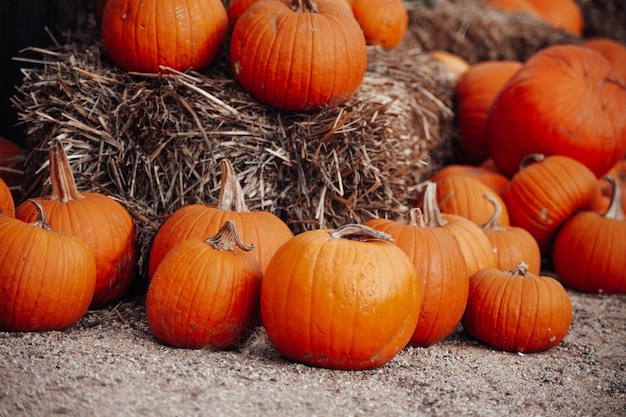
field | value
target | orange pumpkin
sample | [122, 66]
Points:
[618, 172]
[494, 180]
[263, 229]
[205, 292]
[340, 299]
[47, 278]
[293, 69]
[517, 311]
[237, 7]
[561, 14]
[384, 22]
[7, 205]
[589, 249]
[474, 93]
[101, 222]
[147, 35]
[513, 6]
[612, 50]
[441, 270]
[565, 100]
[511, 244]
[455, 65]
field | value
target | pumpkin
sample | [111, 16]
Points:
[612, 50]
[101, 222]
[546, 192]
[205, 292]
[517, 311]
[342, 299]
[565, 100]
[561, 14]
[476, 248]
[494, 180]
[384, 22]
[7, 204]
[298, 54]
[511, 244]
[47, 277]
[474, 92]
[441, 270]
[12, 158]
[455, 65]
[155, 35]
[263, 229]
[237, 7]
[589, 249]
[463, 196]
[513, 6]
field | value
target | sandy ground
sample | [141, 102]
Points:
[109, 364]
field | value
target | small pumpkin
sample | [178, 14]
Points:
[589, 249]
[511, 244]
[565, 100]
[7, 204]
[148, 35]
[545, 192]
[100, 221]
[47, 278]
[384, 22]
[561, 14]
[513, 6]
[205, 292]
[441, 269]
[266, 231]
[517, 311]
[494, 180]
[474, 93]
[342, 299]
[455, 65]
[298, 54]
[612, 50]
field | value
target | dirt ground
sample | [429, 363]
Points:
[109, 364]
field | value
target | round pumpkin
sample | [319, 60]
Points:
[561, 14]
[47, 278]
[455, 65]
[236, 8]
[340, 299]
[441, 270]
[266, 231]
[154, 35]
[565, 100]
[546, 192]
[298, 54]
[474, 92]
[205, 292]
[384, 22]
[7, 204]
[589, 249]
[494, 180]
[517, 311]
[612, 50]
[513, 6]
[100, 221]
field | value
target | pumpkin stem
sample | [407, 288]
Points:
[532, 158]
[359, 232]
[42, 217]
[227, 238]
[61, 177]
[415, 217]
[615, 206]
[432, 213]
[521, 269]
[304, 6]
[231, 194]
[494, 221]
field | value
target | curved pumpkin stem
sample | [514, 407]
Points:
[359, 232]
[530, 159]
[42, 217]
[304, 6]
[231, 194]
[432, 214]
[61, 177]
[615, 206]
[494, 221]
[227, 238]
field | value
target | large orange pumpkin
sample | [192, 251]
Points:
[298, 54]
[47, 278]
[144, 35]
[101, 222]
[565, 100]
[441, 269]
[341, 299]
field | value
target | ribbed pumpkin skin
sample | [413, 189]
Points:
[47, 278]
[442, 272]
[497, 182]
[340, 303]
[612, 50]
[142, 35]
[474, 93]
[542, 195]
[565, 100]
[7, 204]
[517, 313]
[202, 297]
[297, 59]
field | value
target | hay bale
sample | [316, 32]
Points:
[154, 142]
